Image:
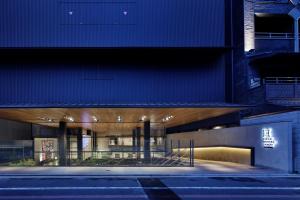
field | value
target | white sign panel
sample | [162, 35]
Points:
[269, 141]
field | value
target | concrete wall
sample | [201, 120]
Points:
[279, 157]
[44, 131]
[291, 117]
[249, 25]
[13, 130]
[226, 154]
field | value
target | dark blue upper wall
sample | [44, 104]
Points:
[112, 23]
[87, 79]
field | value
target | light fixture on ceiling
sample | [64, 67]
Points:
[119, 119]
[143, 118]
[95, 119]
[69, 118]
[218, 127]
[48, 119]
[167, 118]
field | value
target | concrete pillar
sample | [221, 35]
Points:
[138, 142]
[296, 33]
[94, 141]
[133, 140]
[62, 143]
[79, 144]
[147, 153]
[68, 152]
[249, 27]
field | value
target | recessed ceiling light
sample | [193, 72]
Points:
[167, 118]
[95, 119]
[69, 118]
[119, 119]
[48, 119]
[218, 127]
[143, 118]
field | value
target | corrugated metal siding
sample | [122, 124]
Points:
[105, 85]
[114, 23]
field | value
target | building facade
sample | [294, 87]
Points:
[142, 82]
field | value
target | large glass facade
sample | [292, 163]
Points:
[116, 144]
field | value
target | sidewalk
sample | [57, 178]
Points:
[202, 169]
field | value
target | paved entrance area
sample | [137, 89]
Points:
[202, 168]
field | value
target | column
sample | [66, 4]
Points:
[68, 153]
[94, 141]
[138, 142]
[79, 144]
[147, 153]
[62, 143]
[296, 33]
[133, 140]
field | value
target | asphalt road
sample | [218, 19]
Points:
[153, 188]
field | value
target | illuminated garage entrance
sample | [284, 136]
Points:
[98, 136]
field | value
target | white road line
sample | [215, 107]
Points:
[149, 188]
[247, 196]
[151, 176]
[75, 197]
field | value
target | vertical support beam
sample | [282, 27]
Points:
[166, 147]
[190, 153]
[68, 153]
[296, 32]
[95, 142]
[178, 148]
[79, 144]
[62, 143]
[147, 155]
[133, 140]
[138, 142]
[193, 153]
[94, 139]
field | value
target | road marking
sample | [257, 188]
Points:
[76, 197]
[3, 176]
[149, 188]
[246, 196]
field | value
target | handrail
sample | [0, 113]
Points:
[282, 80]
[272, 35]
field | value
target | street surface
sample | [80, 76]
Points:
[147, 187]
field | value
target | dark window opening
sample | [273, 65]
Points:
[273, 23]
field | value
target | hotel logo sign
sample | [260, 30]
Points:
[269, 140]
